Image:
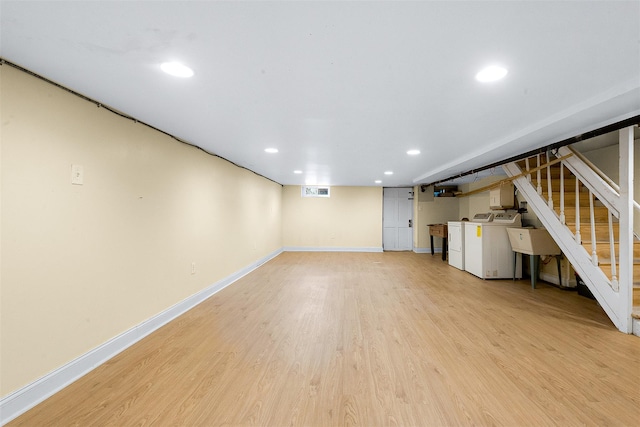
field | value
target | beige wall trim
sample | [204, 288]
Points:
[21, 400]
[330, 249]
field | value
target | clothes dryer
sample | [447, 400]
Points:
[456, 243]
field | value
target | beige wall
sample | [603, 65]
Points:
[82, 264]
[350, 218]
[431, 210]
[436, 210]
[479, 202]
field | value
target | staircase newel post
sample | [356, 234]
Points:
[626, 168]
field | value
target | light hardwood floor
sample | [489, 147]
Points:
[371, 339]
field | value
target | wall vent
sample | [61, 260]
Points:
[315, 191]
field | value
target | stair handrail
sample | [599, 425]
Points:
[604, 176]
[607, 194]
[509, 179]
[592, 224]
[596, 169]
[549, 201]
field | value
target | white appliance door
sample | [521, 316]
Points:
[456, 244]
[473, 253]
[455, 236]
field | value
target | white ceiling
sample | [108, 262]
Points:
[343, 89]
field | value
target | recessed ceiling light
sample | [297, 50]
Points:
[176, 69]
[413, 152]
[491, 74]
[377, 181]
[271, 150]
[297, 172]
[388, 173]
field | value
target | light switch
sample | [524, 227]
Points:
[77, 175]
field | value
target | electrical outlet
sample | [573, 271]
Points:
[77, 175]
[193, 268]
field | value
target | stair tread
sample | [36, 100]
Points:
[587, 220]
[607, 261]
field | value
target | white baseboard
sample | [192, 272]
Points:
[427, 250]
[25, 398]
[552, 278]
[330, 249]
[635, 326]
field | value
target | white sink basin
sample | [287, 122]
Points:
[532, 241]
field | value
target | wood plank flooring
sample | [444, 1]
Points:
[372, 339]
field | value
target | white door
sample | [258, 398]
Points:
[397, 219]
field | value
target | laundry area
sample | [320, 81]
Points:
[495, 237]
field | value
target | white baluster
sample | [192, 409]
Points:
[539, 175]
[550, 191]
[594, 254]
[562, 218]
[614, 273]
[578, 236]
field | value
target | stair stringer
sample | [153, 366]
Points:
[592, 275]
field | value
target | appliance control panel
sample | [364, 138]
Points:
[506, 218]
[483, 217]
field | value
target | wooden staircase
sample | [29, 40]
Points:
[603, 246]
[551, 197]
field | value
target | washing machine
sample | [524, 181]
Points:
[487, 250]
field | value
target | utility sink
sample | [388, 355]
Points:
[532, 241]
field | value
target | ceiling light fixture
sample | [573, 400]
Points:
[413, 152]
[271, 150]
[491, 74]
[377, 181]
[297, 172]
[176, 69]
[388, 173]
